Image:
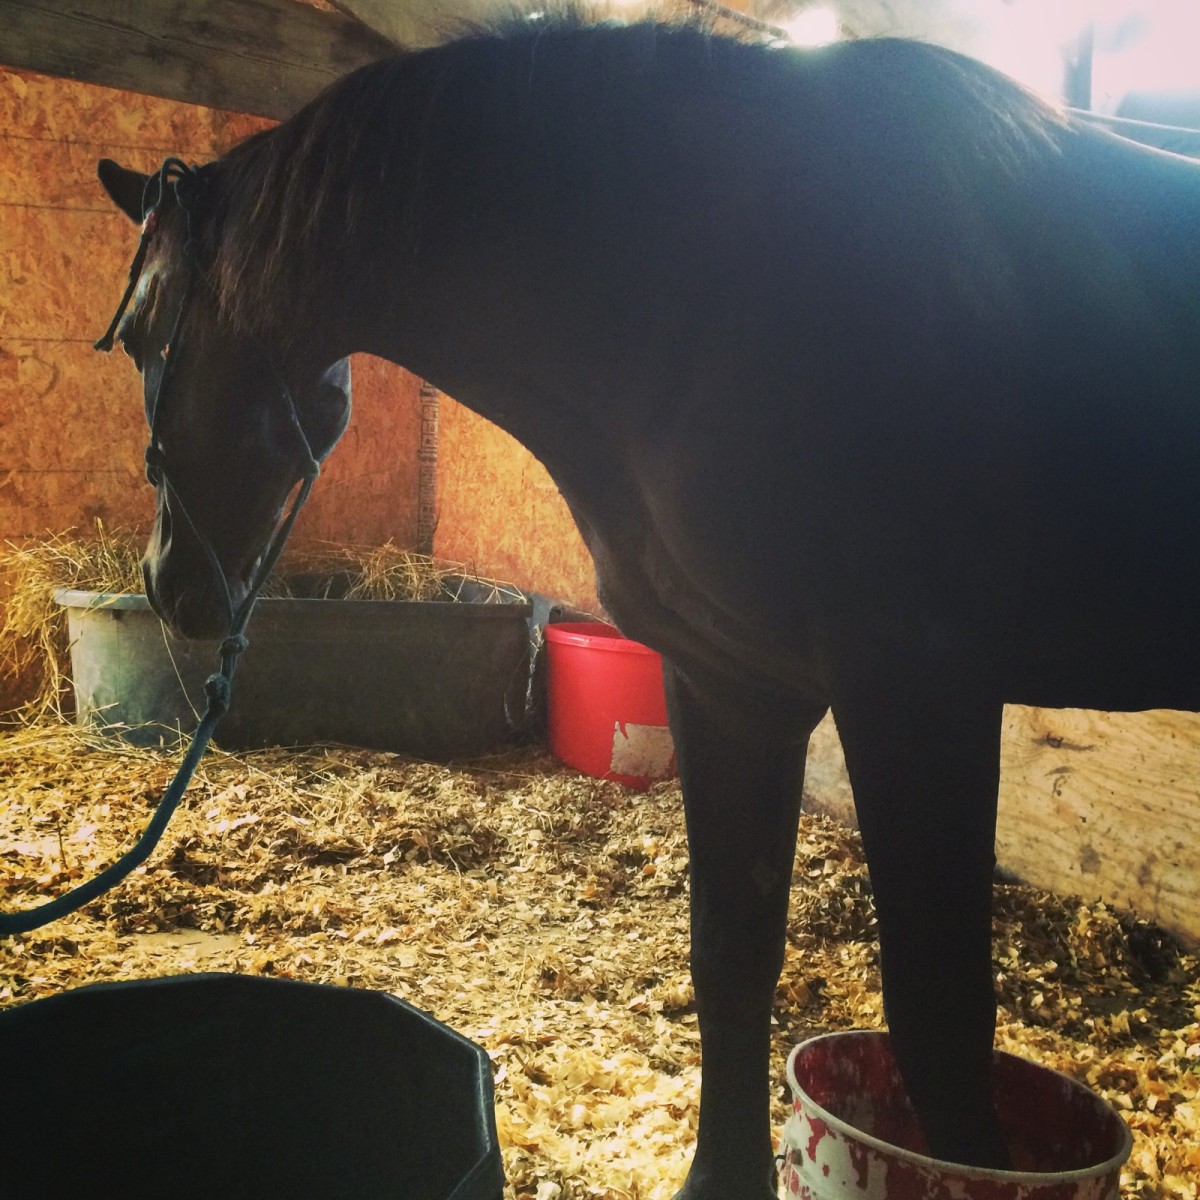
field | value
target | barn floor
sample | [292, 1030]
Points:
[545, 915]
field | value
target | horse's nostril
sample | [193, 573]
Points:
[199, 616]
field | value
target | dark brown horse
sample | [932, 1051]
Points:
[870, 380]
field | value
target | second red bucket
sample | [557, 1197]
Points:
[607, 712]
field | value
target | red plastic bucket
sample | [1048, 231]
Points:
[607, 712]
[853, 1134]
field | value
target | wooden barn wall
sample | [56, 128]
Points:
[500, 512]
[71, 425]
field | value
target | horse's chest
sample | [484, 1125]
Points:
[700, 619]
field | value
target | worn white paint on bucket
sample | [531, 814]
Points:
[646, 751]
[830, 1156]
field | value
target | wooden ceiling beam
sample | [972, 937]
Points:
[418, 23]
[266, 57]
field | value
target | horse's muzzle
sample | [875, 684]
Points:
[193, 605]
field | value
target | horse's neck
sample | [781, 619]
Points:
[497, 288]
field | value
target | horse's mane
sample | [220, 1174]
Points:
[359, 152]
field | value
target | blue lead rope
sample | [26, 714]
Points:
[218, 690]
[218, 687]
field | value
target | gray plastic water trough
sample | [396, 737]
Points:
[436, 679]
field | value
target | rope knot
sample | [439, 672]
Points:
[218, 691]
[233, 645]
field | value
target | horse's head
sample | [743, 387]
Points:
[234, 422]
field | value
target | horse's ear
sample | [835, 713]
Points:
[124, 187]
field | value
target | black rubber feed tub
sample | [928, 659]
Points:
[436, 679]
[236, 1086]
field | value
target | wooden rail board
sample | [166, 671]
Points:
[1108, 805]
[266, 57]
[1101, 805]
[415, 23]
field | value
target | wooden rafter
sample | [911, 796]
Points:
[266, 57]
[416, 23]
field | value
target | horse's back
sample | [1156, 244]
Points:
[983, 371]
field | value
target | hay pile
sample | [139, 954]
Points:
[545, 914]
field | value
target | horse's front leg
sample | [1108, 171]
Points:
[922, 749]
[741, 764]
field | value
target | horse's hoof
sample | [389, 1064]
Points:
[986, 1151]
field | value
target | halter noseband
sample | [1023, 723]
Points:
[188, 184]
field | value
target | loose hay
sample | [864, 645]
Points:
[544, 914]
[33, 636]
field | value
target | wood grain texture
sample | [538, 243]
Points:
[826, 783]
[417, 23]
[1106, 805]
[254, 56]
[1100, 805]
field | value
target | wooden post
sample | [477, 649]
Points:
[427, 458]
[1077, 78]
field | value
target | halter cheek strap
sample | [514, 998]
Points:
[171, 172]
[187, 183]
[150, 224]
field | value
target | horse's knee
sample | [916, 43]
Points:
[735, 979]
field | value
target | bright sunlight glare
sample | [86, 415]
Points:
[813, 27]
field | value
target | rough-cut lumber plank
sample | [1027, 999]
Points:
[1101, 805]
[257, 56]
[1107, 805]
[826, 784]
[416, 23]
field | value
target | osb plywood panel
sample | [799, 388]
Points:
[63, 271]
[71, 439]
[60, 110]
[500, 511]
[367, 493]
[1101, 805]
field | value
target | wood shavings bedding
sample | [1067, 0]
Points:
[544, 914]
